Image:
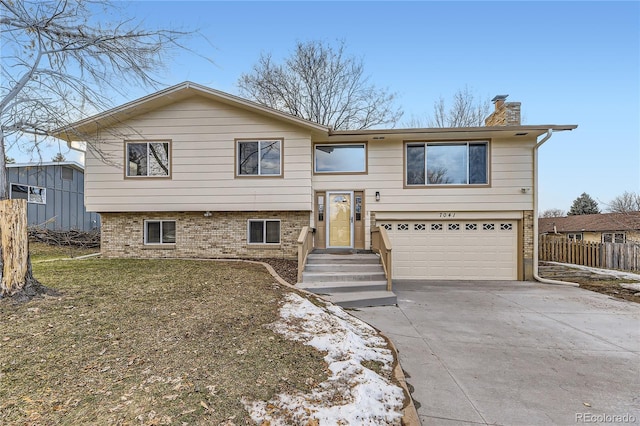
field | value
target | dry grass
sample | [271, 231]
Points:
[590, 280]
[147, 342]
[610, 287]
[42, 251]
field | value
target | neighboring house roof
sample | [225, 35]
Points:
[591, 223]
[73, 164]
[77, 131]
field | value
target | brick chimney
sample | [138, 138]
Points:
[505, 113]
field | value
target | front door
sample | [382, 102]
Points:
[340, 219]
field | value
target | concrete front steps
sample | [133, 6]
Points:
[348, 280]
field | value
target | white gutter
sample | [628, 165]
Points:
[535, 217]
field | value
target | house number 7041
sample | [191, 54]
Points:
[447, 214]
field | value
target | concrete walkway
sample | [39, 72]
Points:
[515, 353]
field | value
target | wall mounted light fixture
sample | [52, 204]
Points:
[377, 195]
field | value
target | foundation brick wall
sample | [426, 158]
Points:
[222, 235]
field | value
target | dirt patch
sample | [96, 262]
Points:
[591, 281]
[148, 342]
[287, 269]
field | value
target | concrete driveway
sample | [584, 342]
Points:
[515, 353]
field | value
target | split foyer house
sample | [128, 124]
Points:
[194, 172]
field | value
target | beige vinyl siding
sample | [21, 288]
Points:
[511, 169]
[202, 134]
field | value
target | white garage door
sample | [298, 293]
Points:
[467, 250]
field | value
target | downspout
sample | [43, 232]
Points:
[535, 217]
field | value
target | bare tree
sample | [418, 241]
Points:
[553, 213]
[60, 65]
[625, 203]
[466, 111]
[322, 84]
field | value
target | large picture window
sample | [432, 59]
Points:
[259, 158]
[456, 163]
[342, 158]
[264, 231]
[160, 232]
[33, 194]
[148, 159]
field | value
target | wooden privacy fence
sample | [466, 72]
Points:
[625, 257]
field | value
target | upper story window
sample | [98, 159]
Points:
[259, 157]
[66, 173]
[453, 163]
[613, 237]
[340, 158]
[148, 159]
[33, 194]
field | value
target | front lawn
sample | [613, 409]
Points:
[148, 342]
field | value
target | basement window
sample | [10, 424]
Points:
[159, 231]
[263, 231]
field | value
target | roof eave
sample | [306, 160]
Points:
[74, 131]
[539, 128]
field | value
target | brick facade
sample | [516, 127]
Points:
[221, 235]
[527, 244]
[505, 114]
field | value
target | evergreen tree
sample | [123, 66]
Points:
[58, 158]
[584, 204]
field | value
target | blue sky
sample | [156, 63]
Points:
[567, 62]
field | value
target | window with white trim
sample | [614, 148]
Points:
[148, 159]
[259, 157]
[452, 163]
[33, 194]
[613, 237]
[263, 231]
[159, 231]
[575, 236]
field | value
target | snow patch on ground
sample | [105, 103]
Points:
[608, 272]
[353, 394]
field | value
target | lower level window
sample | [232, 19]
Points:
[264, 231]
[160, 232]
